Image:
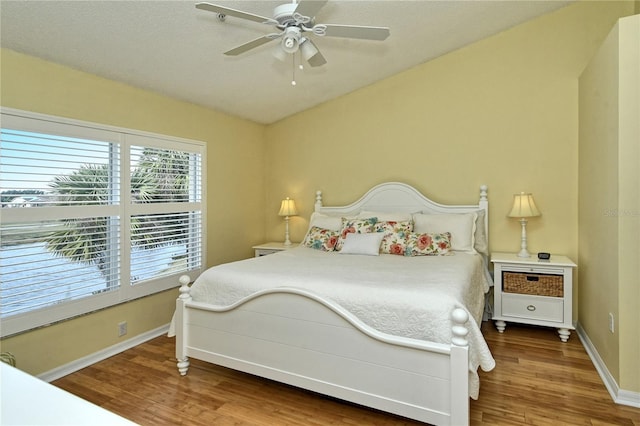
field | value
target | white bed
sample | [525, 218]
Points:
[396, 333]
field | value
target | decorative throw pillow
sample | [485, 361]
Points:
[428, 244]
[395, 235]
[321, 239]
[367, 244]
[357, 226]
[396, 245]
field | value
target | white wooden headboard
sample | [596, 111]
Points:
[400, 197]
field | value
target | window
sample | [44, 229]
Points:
[92, 216]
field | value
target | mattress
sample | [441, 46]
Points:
[404, 296]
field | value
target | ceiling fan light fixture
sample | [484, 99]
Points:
[291, 40]
[308, 49]
[279, 53]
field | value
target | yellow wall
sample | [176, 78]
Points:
[501, 112]
[235, 158]
[609, 219]
[47, 348]
[629, 270]
[598, 202]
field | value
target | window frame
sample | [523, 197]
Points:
[125, 209]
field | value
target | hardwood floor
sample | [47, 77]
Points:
[538, 380]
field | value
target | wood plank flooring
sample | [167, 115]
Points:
[538, 380]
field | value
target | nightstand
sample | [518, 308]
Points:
[532, 291]
[270, 248]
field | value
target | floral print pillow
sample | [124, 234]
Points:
[321, 239]
[395, 236]
[358, 226]
[428, 244]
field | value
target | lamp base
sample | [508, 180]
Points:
[523, 239]
[287, 241]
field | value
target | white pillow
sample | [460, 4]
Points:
[385, 216]
[462, 227]
[368, 244]
[481, 244]
[324, 221]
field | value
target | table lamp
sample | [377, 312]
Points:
[524, 207]
[287, 208]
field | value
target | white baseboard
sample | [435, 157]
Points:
[88, 360]
[619, 396]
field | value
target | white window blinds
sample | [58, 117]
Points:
[92, 217]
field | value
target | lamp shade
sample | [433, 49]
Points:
[524, 206]
[288, 208]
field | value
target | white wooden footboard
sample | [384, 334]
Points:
[295, 337]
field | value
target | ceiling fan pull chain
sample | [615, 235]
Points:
[293, 69]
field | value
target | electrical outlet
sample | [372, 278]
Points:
[612, 323]
[122, 328]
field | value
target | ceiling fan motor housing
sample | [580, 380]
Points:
[285, 15]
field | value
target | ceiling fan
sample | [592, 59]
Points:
[295, 21]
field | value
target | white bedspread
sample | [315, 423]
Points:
[404, 296]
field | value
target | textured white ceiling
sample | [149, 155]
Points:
[173, 48]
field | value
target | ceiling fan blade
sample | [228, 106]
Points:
[309, 8]
[251, 45]
[352, 31]
[233, 12]
[317, 60]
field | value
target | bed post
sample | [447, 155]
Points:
[484, 205]
[318, 204]
[459, 368]
[181, 327]
[484, 200]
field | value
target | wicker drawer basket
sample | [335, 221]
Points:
[535, 284]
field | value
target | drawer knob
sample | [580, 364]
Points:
[531, 308]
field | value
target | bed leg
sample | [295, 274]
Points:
[459, 365]
[181, 320]
[183, 366]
